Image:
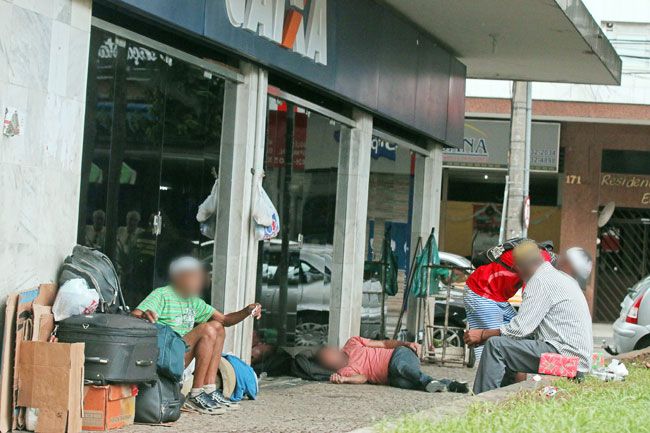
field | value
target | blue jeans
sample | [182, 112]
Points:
[404, 370]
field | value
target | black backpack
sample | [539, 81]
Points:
[159, 402]
[493, 255]
[98, 271]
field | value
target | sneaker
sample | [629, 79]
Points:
[435, 386]
[222, 400]
[202, 403]
[457, 386]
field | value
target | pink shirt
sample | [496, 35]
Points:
[372, 362]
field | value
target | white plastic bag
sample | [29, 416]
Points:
[207, 213]
[74, 297]
[265, 216]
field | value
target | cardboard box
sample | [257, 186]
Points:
[32, 308]
[28, 316]
[554, 364]
[50, 379]
[7, 380]
[109, 407]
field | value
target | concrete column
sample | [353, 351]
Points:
[350, 230]
[235, 251]
[519, 159]
[426, 214]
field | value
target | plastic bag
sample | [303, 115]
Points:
[207, 213]
[265, 216]
[73, 298]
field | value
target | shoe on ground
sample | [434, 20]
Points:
[224, 401]
[202, 403]
[457, 386]
[435, 386]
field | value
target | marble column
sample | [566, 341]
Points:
[426, 215]
[235, 249]
[350, 230]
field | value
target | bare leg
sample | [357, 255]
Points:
[213, 367]
[202, 341]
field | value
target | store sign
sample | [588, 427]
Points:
[297, 25]
[486, 144]
[383, 149]
[625, 190]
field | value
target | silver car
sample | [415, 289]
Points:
[632, 328]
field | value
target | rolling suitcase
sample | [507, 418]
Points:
[119, 348]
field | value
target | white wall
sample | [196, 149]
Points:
[43, 68]
[629, 32]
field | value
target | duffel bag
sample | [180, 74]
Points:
[119, 348]
[159, 402]
[171, 353]
[98, 271]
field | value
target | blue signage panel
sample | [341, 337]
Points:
[361, 51]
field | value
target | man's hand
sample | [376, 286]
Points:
[415, 347]
[255, 310]
[337, 378]
[148, 315]
[473, 337]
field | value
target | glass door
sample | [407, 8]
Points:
[190, 163]
[151, 153]
[295, 269]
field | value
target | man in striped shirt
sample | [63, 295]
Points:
[553, 317]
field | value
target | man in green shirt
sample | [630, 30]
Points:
[180, 307]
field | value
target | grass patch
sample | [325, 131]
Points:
[592, 406]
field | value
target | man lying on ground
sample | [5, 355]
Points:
[553, 317]
[180, 307]
[387, 362]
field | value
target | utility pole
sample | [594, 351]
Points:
[519, 161]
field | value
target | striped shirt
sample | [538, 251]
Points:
[175, 311]
[554, 310]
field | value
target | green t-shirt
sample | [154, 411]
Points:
[175, 311]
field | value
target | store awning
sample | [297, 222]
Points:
[529, 40]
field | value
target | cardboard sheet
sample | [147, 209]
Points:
[50, 378]
[7, 379]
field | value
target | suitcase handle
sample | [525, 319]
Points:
[144, 363]
[97, 360]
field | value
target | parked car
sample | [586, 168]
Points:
[308, 294]
[632, 328]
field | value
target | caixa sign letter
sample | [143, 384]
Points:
[297, 25]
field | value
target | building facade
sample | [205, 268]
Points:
[602, 157]
[122, 116]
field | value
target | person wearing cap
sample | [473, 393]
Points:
[578, 263]
[487, 291]
[554, 317]
[179, 305]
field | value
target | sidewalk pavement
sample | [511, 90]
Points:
[292, 405]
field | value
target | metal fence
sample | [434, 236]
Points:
[623, 259]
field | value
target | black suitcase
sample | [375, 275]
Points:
[119, 348]
[159, 402]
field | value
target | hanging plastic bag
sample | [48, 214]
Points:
[74, 297]
[265, 216]
[207, 213]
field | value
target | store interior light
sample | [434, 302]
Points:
[486, 177]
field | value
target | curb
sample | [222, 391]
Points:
[494, 396]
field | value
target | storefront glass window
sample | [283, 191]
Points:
[389, 214]
[295, 269]
[151, 154]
